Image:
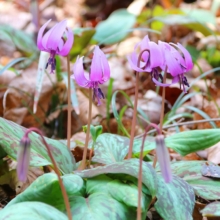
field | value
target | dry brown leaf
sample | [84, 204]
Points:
[18, 99]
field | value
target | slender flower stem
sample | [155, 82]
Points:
[134, 119]
[63, 190]
[69, 104]
[83, 163]
[140, 168]
[162, 112]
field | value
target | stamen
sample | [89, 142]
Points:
[52, 63]
[97, 95]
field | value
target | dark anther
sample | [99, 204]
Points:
[185, 82]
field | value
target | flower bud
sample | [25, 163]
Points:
[163, 158]
[23, 158]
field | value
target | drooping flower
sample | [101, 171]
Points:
[147, 57]
[99, 73]
[163, 158]
[23, 158]
[176, 62]
[57, 41]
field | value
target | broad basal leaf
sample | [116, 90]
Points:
[175, 200]
[110, 148]
[11, 134]
[46, 189]
[190, 171]
[130, 167]
[31, 210]
[99, 206]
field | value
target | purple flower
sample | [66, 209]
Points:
[23, 158]
[163, 158]
[147, 57]
[99, 73]
[57, 41]
[177, 62]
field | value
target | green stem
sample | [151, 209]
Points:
[83, 163]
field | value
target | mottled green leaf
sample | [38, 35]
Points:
[11, 134]
[211, 210]
[82, 37]
[175, 200]
[110, 148]
[128, 194]
[190, 141]
[149, 145]
[130, 167]
[115, 28]
[190, 171]
[46, 189]
[99, 206]
[124, 192]
[31, 210]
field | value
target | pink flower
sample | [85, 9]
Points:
[57, 41]
[178, 62]
[151, 58]
[99, 73]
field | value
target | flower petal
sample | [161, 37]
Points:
[79, 74]
[163, 158]
[68, 44]
[98, 66]
[156, 55]
[160, 83]
[56, 35]
[187, 56]
[105, 67]
[132, 59]
[40, 35]
[173, 65]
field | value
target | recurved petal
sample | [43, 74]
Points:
[45, 40]
[132, 59]
[68, 44]
[187, 56]
[40, 35]
[56, 35]
[156, 55]
[105, 67]
[78, 73]
[160, 83]
[96, 72]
